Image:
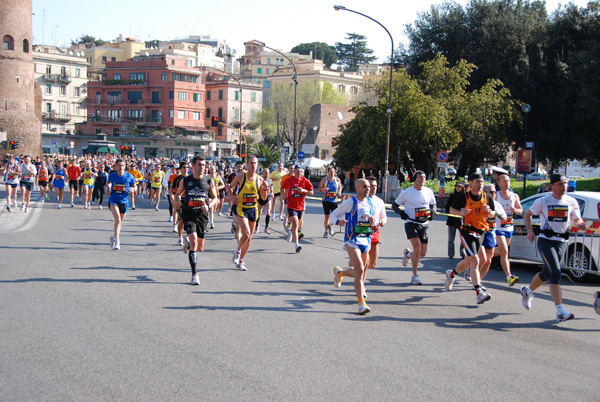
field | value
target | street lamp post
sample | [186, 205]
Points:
[241, 97]
[295, 79]
[389, 110]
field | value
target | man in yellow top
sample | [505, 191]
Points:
[137, 175]
[276, 177]
[245, 207]
[155, 185]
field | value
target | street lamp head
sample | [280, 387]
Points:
[338, 8]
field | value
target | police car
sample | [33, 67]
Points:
[584, 248]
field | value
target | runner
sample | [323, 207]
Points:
[558, 212]
[296, 188]
[139, 178]
[419, 208]
[284, 196]
[60, 173]
[357, 214]
[11, 179]
[475, 207]
[245, 206]
[221, 189]
[379, 221]
[169, 190]
[119, 183]
[156, 177]
[276, 177]
[331, 187]
[74, 173]
[239, 167]
[43, 178]
[89, 177]
[28, 173]
[100, 185]
[265, 203]
[453, 222]
[219, 186]
[199, 195]
[486, 252]
[511, 204]
[178, 222]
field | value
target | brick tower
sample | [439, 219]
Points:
[20, 95]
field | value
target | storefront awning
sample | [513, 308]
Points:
[102, 150]
[114, 150]
[90, 149]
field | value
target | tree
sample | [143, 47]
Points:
[270, 153]
[320, 50]
[354, 53]
[87, 40]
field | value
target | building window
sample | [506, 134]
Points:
[134, 113]
[63, 111]
[77, 72]
[196, 115]
[220, 113]
[207, 113]
[342, 89]
[268, 60]
[181, 114]
[113, 59]
[196, 97]
[253, 115]
[136, 76]
[63, 90]
[9, 42]
[116, 76]
[267, 84]
[63, 71]
[48, 90]
[134, 97]
[220, 94]
[103, 59]
[164, 76]
[181, 96]
[253, 96]
[171, 114]
[48, 107]
[207, 95]
[48, 69]
[236, 116]
[237, 95]
[25, 46]
[259, 70]
[171, 95]
[77, 91]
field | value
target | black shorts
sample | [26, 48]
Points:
[248, 213]
[74, 184]
[276, 194]
[295, 212]
[27, 184]
[414, 230]
[122, 207]
[221, 194]
[195, 223]
[42, 183]
[264, 202]
[329, 206]
[470, 243]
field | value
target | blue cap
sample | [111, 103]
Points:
[297, 167]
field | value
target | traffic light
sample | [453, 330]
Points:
[16, 144]
[122, 149]
[243, 156]
[11, 145]
[127, 150]
[215, 121]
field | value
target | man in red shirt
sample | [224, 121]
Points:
[74, 173]
[296, 188]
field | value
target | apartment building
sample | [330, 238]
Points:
[62, 75]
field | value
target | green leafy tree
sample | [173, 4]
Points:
[88, 41]
[320, 50]
[270, 153]
[354, 53]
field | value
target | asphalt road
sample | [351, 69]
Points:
[82, 322]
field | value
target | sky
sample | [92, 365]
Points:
[279, 24]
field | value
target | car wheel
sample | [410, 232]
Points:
[580, 258]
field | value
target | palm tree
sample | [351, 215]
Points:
[270, 153]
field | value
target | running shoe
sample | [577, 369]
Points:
[415, 280]
[180, 242]
[185, 245]
[267, 231]
[289, 237]
[482, 297]
[406, 256]
[117, 245]
[256, 228]
[113, 240]
[527, 295]
[564, 315]
[72, 205]
[26, 209]
[100, 206]
[236, 257]
[449, 279]
[8, 208]
[281, 217]
[22, 207]
[43, 200]
[597, 302]
[288, 230]
[132, 207]
[363, 308]
[325, 234]
[59, 207]
[174, 228]
[482, 287]
[300, 235]
[468, 274]
[330, 229]
[212, 225]
[337, 278]
[156, 208]
[365, 294]
[512, 280]
[195, 280]
[170, 219]
[220, 214]
[241, 266]
[298, 248]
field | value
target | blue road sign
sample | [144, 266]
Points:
[301, 155]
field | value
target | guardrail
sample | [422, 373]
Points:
[583, 253]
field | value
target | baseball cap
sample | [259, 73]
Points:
[460, 183]
[556, 177]
[475, 176]
[298, 167]
[499, 170]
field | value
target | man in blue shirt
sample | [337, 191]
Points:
[119, 183]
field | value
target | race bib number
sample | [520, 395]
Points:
[422, 214]
[297, 192]
[87, 176]
[26, 177]
[156, 179]
[119, 188]
[59, 177]
[11, 176]
[557, 213]
[331, 194]
[363, 229]
[196, 202]
[491, 223]
[508, 222]
[248, 200]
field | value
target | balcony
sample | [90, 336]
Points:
[53, 116]
[124, 82]
[58, 78]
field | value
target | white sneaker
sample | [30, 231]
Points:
[220, 214]
[256, 228]
[406, 256]
[195, 280]
[117, 245]
[527, 295]
[180, 242]
[26, 209]
[100, 206]
[241, 266]
[298, 248]
[156, 208]
[185, 246]
[449, 280]
[290, 237]
[415, 280]
[468, 274]
[363, 308]
[330, 229]
[112, 240]
[22, 207]
[563, 315]
[325, 234]
[281, 217]
[212, 225]
[170, 219]
[174, 228]
[482, 296]
[337, 279]
[236, 257]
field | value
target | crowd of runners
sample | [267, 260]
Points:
[197, 190]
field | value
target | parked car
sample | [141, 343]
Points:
[536, 176]
[574, 177]
[450, 173]
[583, 252]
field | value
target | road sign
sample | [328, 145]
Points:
[301, 155]
[72, 144]
[442, 164]
[261, 159]
[442, 156]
